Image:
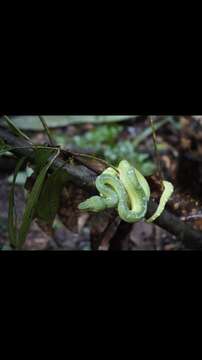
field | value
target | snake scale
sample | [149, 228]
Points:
[127, 190]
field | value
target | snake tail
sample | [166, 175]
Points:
[167, 193]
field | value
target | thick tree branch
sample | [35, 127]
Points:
[191, 238]
[85, 178]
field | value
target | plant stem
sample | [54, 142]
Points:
[157, 157]
[18, 131]
[148, 132]
[46, 128]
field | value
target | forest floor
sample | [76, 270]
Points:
[180, 151]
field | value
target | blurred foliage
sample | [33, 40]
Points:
[105, 143]
[33, 123]
[125, 150]
[100, 135]
[21, 177]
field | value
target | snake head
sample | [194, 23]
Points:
[94, 204]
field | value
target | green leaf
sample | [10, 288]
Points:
[32, 202]
[12, 228]
[41, 158]
[49, 200]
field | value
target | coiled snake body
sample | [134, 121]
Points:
[128, 191]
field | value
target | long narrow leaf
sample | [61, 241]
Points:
[46, 128]
[49, 200]
[32, 202]
[12, 229]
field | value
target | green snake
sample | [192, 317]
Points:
[127, 190]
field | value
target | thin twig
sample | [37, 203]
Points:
[148, 132]
[157, 157]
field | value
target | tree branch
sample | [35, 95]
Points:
[79, 174]
[85, 178]
[190, 237]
